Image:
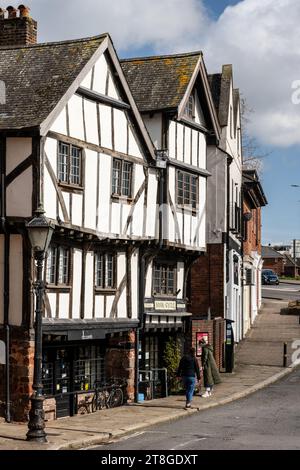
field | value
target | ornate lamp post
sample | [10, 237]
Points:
[40, 231]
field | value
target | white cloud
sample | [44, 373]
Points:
[260, 38]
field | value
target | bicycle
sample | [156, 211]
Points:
[108, 395]
[85, 405]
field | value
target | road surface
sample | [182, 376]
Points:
[268, 419]
[283, 291]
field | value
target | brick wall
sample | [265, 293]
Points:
[207, 282]
[120, 360]
[216, 331]
[17, 31]
[253, 230]
[21, 373]
[276, 264]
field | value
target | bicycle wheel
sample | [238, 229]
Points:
[115, 398]
[98, 402]
[82, 409]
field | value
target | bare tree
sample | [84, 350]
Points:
[253, 154]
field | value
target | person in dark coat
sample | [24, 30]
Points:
[211, 374]
[188, 370]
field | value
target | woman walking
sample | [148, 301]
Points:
[188, 370]
[211, 374]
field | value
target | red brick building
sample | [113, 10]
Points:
[253, 200]
[273, 260]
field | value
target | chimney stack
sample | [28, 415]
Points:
[17, 28]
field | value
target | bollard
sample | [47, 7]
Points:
[284, 354]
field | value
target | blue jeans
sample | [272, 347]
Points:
[189, 383]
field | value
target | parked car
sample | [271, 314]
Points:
[269, 277]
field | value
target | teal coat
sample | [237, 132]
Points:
[211, 374]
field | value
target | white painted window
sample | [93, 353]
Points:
[69, 164]
[187, 189]
[121, 178]
[105, 270]
[164, 279]
[58, 265]
[189, 110]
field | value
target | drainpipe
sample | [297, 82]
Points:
[242, 255]
[6, 284]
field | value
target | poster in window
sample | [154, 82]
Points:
[199, 336]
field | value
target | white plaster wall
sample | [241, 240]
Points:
[202, 151]
[148, 286]
[77, 200]
[89, 286]
[49, 196]
[187, 145]
[100, 74]
[90, 188]
[109, 303]
[151, 204]
[104, 192]
[120, 127]
[52, 302]
[64, 305]
[17, 150]
[180, 142]
[75, 106]
[133, 146]
[60, 123]
[19, 203]
[99, 306]
[15, 280]
[76, 291]
[51, 148]
[86, 82]
[180, 279]
[66, 197]
[154, 127]
[195, 147]
[172, 139]
[134, 283]
[1, 278]
[91, 121]
[112, 89]
[105, 121]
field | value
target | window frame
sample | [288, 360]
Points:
[189, 109]
[168, 265]
[69, 174]
[120, 184]
[56, 284]
[104, 287]
[183, 205]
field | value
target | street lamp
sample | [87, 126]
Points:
[40, 231]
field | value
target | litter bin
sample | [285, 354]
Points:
[229, 347]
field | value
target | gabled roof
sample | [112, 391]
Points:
[253, 188]
[220, 84]
[290, 262]
[269, 252]
[160, 82]
[37, 77]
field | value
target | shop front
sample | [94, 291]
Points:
[164, 326]
[78, 360]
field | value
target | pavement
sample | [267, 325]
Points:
[258, 364]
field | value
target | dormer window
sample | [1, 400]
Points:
[190, 107]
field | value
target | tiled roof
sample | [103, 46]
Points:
[269, 252]
[159, 82]
[38, 76]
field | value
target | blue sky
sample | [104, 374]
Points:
[261, 38]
